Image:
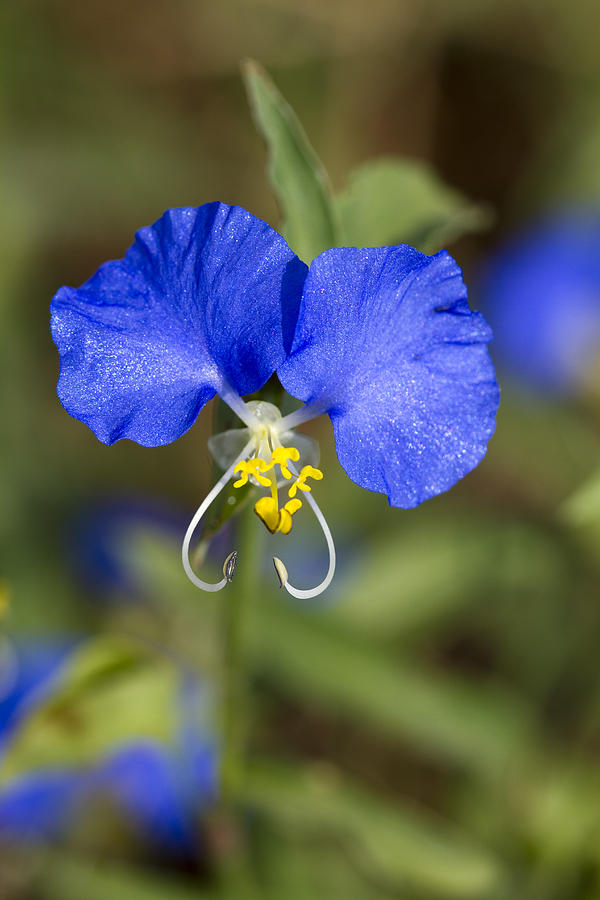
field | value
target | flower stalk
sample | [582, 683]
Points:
[237, 603]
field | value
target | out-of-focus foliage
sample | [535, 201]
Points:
[388, 201]
[403, 849]
[430, 728]
[391, 201]
[109, 692]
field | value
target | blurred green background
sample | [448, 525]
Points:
[431, 727]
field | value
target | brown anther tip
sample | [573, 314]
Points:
[229, 565]
[281, 570]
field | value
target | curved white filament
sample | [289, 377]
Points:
[313, 592]
[210, 497]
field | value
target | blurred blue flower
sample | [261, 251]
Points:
[27, 672]
[212, 301]
[41, 805]
[160, 791]
[542, 293]
[100, 537]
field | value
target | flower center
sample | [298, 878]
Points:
[269, 453]
[254, 453]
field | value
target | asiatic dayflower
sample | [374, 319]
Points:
[211, 300]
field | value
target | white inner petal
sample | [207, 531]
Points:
[227, 445]
[264, 430]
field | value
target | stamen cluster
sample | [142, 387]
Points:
[267, 508]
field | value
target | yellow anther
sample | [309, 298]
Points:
[291, 507]
[266, 510]
[276, 519]
[243, 479]
[300, 482]
[256, 466]
[280, 456]
[252, 467]
[285, 522]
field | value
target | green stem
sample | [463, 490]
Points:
[237, 601]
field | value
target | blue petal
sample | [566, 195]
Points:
[387, 345]
[146, 780]
[204, 295]
[35, 664]
[40, 805]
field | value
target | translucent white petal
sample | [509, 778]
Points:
[227, 446]
[307, 447]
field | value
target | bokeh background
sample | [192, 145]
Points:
[430, 728]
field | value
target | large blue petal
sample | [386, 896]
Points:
[387, 345]
[203, 295]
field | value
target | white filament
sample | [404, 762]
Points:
[298, 417]
[210, 497]
[313, 592]
[235, 402]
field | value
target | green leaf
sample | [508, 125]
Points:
[583, 505]
[394, 200]
[480, 725]
[560, 804]
[110, 690]
[398, 847]
[417, 574]
[568, 442]
[297, 175]
[302, 867]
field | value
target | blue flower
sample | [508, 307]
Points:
[159, 790]
[542, 291]
[212, 301]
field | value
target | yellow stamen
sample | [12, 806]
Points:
[252, 467]
[285, 522]
[276, 519]
[257, 466]
[291, 507]
[300, 482]
[267, 508]
[243, 479]
[280, 456]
